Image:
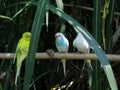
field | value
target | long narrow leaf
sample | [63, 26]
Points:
[36, 29]
[108, 26]
[97, 33]
[27, 4]
[108, 35]
[61, 7]
[5, 17]
[59, 4]
[101, 55]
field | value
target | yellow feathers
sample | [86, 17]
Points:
[21, 51]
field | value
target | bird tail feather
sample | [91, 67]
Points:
[64, 65]
[89, 64]
[17, 73]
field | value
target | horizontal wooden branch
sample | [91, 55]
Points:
[69, 56]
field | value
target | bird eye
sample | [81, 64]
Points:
[58, 35]
[28, 36]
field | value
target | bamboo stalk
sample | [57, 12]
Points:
[74, 56]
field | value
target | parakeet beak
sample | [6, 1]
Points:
[56, 36]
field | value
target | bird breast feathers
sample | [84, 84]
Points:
[81, 44]
[62, 45]
[62, 48]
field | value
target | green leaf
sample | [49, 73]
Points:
[5, 17]
[36, 29]
[108, 34]
[61, 7]
[92, 42]
[26, 5]
[109, 30]
[59, 4]
[97, 33]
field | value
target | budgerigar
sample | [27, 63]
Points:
[21, 52]
[62, 45]
[82, 46]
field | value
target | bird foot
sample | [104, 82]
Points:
[50, 52]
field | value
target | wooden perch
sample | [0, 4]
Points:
[73, 56]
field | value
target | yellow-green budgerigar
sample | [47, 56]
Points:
[21, 52]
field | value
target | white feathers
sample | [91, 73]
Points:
[81, 44]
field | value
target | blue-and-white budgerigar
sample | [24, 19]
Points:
[62, 45]
[82, 46]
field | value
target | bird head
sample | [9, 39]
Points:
[26, 35]
[59, 36]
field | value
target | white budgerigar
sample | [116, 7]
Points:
[62, 45]
[82, 46]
